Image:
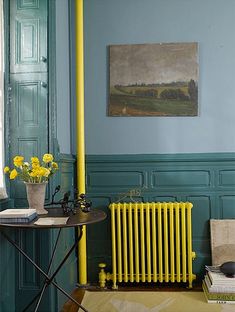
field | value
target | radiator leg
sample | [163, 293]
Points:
[115, 286]
[191, 275]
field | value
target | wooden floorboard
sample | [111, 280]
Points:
[70, 306]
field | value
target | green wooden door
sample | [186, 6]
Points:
[28, 128]
[28, 84]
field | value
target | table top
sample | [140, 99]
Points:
[78, 219]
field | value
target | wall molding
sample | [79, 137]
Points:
[188, 157]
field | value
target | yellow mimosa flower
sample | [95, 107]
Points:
[54, 165]
[6, 169]
[35, 171]
[44, 172]
[35, 165]
[35, 160]
[13, 174]
[47, 158]
[47, 172]
[18, 161]
[41, 171]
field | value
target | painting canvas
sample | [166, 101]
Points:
[222, 240]
[153, 80]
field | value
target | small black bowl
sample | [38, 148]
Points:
[228, 268]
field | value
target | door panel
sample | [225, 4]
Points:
[28, 42]
[28, 121]
[29, 104]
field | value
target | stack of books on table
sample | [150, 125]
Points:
[217, 287]
[17, 215]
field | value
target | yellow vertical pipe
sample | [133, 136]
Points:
[82, 252]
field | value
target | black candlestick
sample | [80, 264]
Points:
[71, 205]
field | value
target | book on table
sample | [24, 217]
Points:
[17, 215]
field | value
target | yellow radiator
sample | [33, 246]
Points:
[151, 242]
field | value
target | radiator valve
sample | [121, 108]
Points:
[103, 276]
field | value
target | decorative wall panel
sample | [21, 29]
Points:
[227, 206]
[181, 178]
[116, 179]
[227, 177]
[29, 278]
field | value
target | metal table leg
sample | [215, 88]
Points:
[40, 294]
[48, 279]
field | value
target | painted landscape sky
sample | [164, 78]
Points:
[153, 63]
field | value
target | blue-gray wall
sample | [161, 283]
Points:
[208, 22]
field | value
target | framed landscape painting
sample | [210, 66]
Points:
[153, 80]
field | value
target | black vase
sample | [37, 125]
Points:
[228, 268]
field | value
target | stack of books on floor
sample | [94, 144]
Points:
[17, 215]
[217, 287]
